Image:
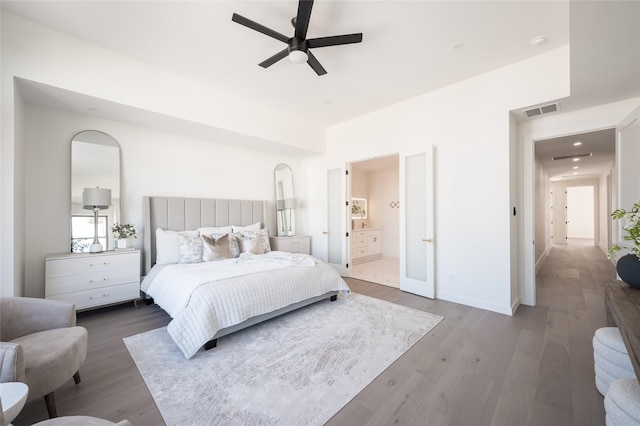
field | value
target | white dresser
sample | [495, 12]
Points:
[93, 280]
[366, 245]
[295, 244]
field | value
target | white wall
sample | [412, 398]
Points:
[383, 188]
[469, 125]
[35, 53]
[152, 163]
[542, 213]
[580, 212]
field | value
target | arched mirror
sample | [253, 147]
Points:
[286, 202]
[95, 163]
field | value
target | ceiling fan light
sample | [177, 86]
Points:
[298, 56]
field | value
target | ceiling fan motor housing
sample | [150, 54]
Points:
[298, 48]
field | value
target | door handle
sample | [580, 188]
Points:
[427, 240]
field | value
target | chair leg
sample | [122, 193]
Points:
[76, 378]
[50, 401]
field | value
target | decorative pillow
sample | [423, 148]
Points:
[247, 243]
[168, 247]
[264, 236]
[250, 242]
[208, 230]
[254, 227]
[216, 247]
[190, 249]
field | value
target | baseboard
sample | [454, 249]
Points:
[515, 305]
[540, 261]
[493, 307]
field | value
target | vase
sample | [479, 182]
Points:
[122, 243]
[628, 268]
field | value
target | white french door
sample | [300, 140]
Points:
[335, 234]
[417, 274]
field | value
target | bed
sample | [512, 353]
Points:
[208, 300]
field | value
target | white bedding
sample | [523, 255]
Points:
[203, 298]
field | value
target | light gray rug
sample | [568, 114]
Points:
[298, 369]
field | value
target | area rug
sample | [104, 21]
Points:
[297, 369]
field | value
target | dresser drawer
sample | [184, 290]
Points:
[98, 263]
[101, 296]
[90, 280]
[291, 244]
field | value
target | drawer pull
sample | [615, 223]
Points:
[99, 297]
[104, 279]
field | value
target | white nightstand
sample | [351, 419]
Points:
[295, 244]
[92, 280]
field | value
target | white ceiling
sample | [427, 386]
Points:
[408, 47]
[600, 144]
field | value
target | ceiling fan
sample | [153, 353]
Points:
[298, 46]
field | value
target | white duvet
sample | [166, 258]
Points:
[203, 298]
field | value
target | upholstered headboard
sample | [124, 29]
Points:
[182, 214]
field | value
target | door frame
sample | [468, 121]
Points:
[607, 117]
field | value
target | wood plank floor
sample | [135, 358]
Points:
[475, 368]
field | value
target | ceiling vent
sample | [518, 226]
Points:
[565, 157]
[545, 109]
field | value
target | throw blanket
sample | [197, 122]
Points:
[236, 290]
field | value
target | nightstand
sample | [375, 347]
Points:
[295, 244]
[92, 280]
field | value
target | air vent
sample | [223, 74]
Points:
[565, 157]
[545, 109]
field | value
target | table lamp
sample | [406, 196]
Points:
[96, 199]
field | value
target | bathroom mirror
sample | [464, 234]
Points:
[95, 162]
[286, 202]
[359, 208]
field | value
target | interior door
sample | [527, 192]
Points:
[336, 209]
[417, 273]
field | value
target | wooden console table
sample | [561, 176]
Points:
[623, 311]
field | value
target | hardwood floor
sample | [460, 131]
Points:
[475, 368]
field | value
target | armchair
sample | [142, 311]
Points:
[40, 345]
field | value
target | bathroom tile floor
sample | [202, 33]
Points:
[382, 271]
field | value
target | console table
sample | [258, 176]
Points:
[623, 311]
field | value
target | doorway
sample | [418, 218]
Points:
[375, 220]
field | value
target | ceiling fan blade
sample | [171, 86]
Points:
[313, 63]
[303, 17]
[275, 58]
[259, 27]
[335, 40]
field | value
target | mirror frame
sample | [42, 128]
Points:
[362, 202]
[107, 175]
[285, 217]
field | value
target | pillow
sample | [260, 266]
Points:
[256, 242]
[254, 227]
[190, 249]
[167, 245]
[208, 230]
[215, 247]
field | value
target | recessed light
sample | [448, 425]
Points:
[577, 143]
[576, 159]
[536, 41]
[575, 167]
[575, 173]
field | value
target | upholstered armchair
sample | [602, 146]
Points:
[40, 345]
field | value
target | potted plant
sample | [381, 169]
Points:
[122, 233]
[628, 266]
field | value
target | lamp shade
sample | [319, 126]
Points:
[290, 203]
[96, 198]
